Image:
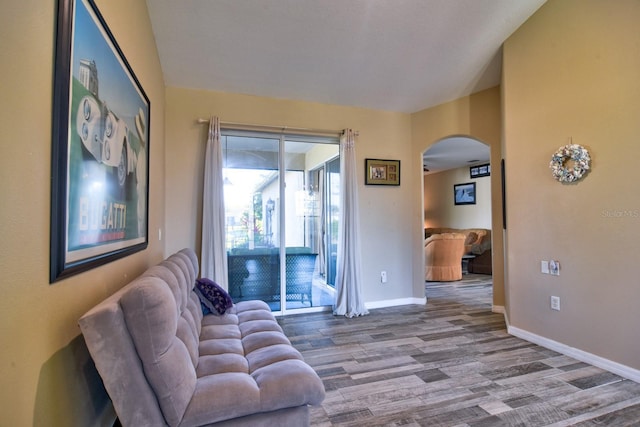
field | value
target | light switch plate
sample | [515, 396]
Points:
[544, 267]
[554, 268]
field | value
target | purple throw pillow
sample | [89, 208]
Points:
[213, 296]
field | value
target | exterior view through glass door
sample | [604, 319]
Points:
[277, 222]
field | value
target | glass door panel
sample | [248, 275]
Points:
[252, 195]
[304, 268]
[300, 257]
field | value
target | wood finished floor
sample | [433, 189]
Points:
[451, 363]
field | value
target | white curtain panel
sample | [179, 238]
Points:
[349, 300]
[214, 254]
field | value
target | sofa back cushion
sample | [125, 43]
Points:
[152, 319]
[188, 330]
[148, 330]
[472, 236]
[114, 353]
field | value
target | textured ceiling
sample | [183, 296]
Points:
[395, 55]
[454, 152]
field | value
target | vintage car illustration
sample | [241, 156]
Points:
[106, 137]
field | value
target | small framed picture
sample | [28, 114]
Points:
[480, 171]
[382, 172]
[464, 194]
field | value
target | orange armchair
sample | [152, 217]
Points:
[443, 257]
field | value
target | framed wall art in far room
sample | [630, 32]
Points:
[382, 172]
[480, 171]
[100, 147]
[464, 194]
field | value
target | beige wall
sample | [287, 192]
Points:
[386, 213]
[440, 209]
[477, 116]
[572, 72]
[47, 377]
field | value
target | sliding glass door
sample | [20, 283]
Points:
[274, 235]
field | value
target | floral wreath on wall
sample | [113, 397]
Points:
[579, 157]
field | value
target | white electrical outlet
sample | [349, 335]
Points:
[383, 277]
[544, 267]
[555, 303]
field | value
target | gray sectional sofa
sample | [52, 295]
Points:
[164, 363]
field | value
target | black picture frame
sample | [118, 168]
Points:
[100, 147]
[381, 172]
[464, 194]
[504, 194]
[479, 171]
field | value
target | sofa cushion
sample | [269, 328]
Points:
[471, 237]
[221, 397]
[188, 329]
[263, 339]
[105, 331]
[480, 233]
[221, 363]
[216, 299]
[483, 246]
[288, 383]
[151, 316]
[212, 347]
[271, 354]
[210, 332]
[256, 357]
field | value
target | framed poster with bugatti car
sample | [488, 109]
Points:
[100, 147]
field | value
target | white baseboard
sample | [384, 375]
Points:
[583, 356]
[368, 305]
[395, 302]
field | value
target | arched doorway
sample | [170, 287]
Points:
[457, 197]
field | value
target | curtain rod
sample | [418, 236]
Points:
[282, 129]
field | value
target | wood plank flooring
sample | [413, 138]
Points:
[451, 363]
